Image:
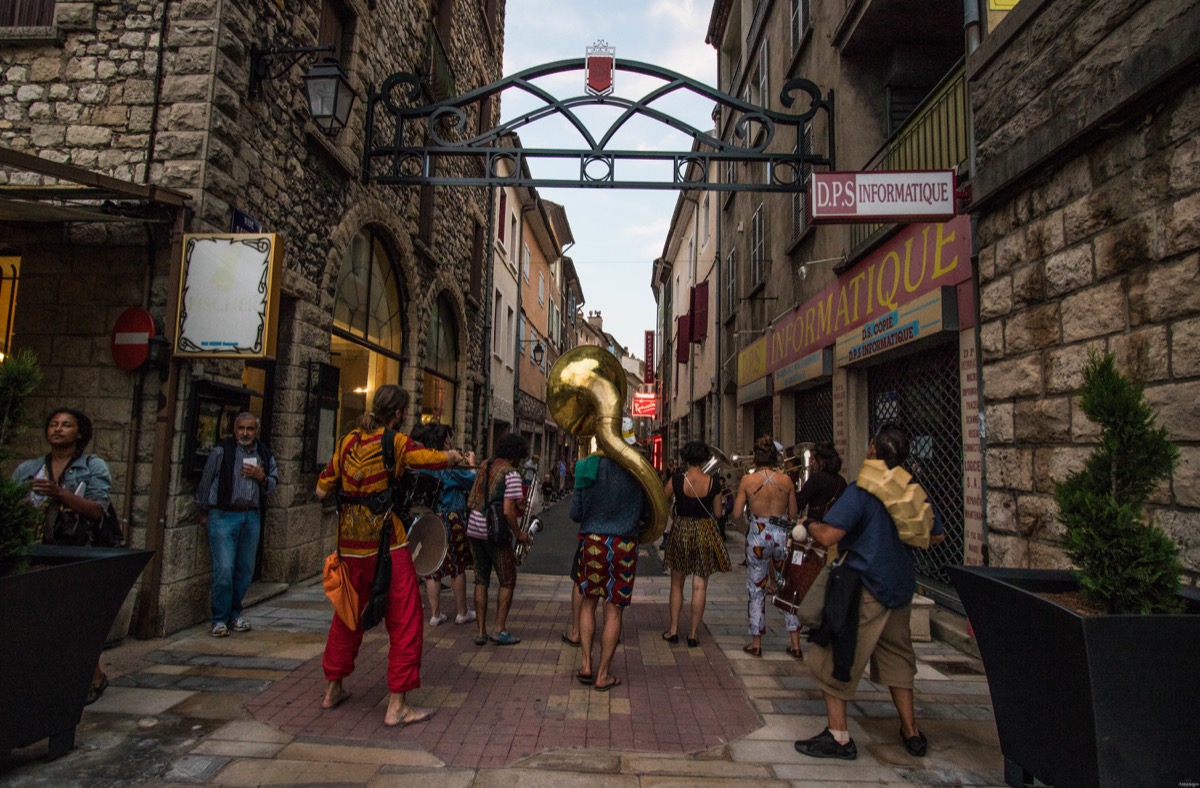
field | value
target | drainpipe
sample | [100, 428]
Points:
[520, 239]
[152, 140]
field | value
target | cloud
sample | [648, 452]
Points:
[656, 227]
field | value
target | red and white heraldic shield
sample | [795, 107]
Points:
[601, 60]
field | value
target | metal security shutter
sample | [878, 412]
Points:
[920, 392]
[814, 415]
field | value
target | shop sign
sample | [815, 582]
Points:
[752, 362]
[648, 378]
[933, 312]
[757, 390]
[228, 295]
[811, 367]
[919, 259]
[900, 196]
[645, 404]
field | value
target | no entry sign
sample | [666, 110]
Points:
[130, 343]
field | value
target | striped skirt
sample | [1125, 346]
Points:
[695, 547]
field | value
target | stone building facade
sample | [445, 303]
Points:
[156, 93]
[1087, 191]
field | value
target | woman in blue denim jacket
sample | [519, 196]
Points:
[67, 479]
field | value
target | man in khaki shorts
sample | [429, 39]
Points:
[859, 524]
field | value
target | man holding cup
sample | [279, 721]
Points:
[239, 475]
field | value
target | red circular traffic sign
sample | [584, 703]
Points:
[130, 342]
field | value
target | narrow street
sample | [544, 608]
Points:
[244, 710]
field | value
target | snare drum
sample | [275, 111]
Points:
[804, 561]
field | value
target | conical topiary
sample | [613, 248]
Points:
[19, 376]
[1123, 564]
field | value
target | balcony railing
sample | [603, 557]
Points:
[439, 77]
[933, 138]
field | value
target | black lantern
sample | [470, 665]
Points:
[329, 96]
[539, 353]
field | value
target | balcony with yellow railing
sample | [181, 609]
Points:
[935, 137]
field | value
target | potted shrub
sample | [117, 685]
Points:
[1092, 671]
[56, 603]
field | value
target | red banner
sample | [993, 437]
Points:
[649, 376]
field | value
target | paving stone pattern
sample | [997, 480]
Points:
[190, 709]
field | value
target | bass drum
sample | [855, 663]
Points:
[427, 541]
[804, 562]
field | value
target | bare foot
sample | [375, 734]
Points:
[334, 696]
[406, 715]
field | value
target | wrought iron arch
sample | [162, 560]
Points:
[405, 143]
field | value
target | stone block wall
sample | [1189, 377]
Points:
[95, 95]
[1089, 247]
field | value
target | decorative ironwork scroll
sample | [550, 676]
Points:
[427, 144]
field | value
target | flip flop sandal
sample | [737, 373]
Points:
[753, 650]
[584, 678]
[481, 640]
[607, 687]
[423, 715]
[569, 642]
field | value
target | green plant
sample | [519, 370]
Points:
[1124, 564]
[19, 376]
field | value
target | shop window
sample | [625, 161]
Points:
[438, 394]
[26, 13]
[368, 330]
[10, 273]
[920, 392]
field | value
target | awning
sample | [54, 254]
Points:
[85, 197]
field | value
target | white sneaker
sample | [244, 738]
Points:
[436, 620]
[219, 631]
[240, 624]
[465, 618]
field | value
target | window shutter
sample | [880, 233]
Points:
[683, 342]
[700, 312]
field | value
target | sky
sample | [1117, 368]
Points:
[618, 232]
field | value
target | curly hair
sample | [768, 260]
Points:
[827, 457]
[512, 447]
[81, 420]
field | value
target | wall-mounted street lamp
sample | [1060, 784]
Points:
[326, 86]
[158, 356]
[539, 352]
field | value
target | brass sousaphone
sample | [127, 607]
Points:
[585, 393]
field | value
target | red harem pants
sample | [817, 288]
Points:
[404, 622]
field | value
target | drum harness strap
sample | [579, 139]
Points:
[779, 521]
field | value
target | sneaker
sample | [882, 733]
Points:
[823, 745]
[438, 619]
[240, 624]
[219, 631]
[465, 618]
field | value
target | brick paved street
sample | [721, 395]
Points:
[244, 710]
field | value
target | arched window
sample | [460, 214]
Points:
[368, 333]
[441, 365]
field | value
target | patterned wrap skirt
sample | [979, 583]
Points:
[458, 552]
[695, 547]
[606, 567]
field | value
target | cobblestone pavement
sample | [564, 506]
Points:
[243, 710]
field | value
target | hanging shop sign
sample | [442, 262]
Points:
[752, 392]
[917, 260]
[921, 319]
[648, 378]
[900, 196]
[813, 367]
[645, 404]
[229, 295]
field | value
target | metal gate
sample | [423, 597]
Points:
[920, 392]
[814, 415]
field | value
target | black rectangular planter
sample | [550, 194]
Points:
[55, 616]
[1087, 701]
